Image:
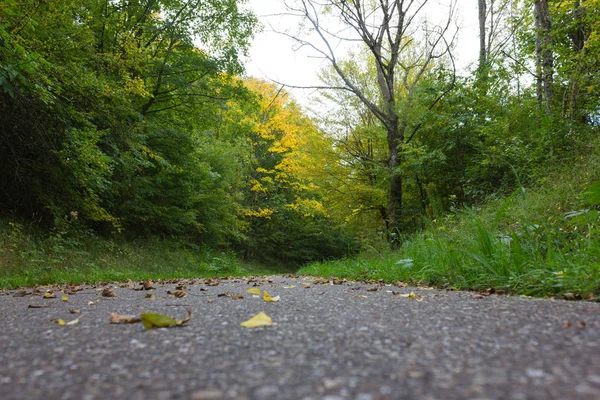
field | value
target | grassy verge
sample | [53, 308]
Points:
[29, 258]
[542, 242]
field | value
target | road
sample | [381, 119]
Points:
[329, 340]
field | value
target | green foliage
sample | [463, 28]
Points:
[108, 109]
[530, 244]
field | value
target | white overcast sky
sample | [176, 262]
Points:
[272, 55]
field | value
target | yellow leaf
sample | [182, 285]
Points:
[49, 295]
[260, 319]
[61, 322]
[254, 291]
[268, 298]
[411, 295]
[65, 298]
[289, 287]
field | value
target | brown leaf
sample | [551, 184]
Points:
[181, 286]
[590, 296]
[22, 293]
[581, 325]
[40, 306]
[401, 284]
[373, 289]
[109, 292]
[123, 319]
[233, 296]
[148, 285]
[129, 283]
[74, 310]
[49, 295]
[177, 293]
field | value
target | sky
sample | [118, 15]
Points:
[272, 55]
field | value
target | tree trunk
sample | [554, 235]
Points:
[395, 199]
[482, 46]
[544, 54]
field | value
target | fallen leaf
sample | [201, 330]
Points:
[254, 291]
[148, 285]
[178, 293]
[49, 295]
[260, 319]
[65, 298]
[61, 322]
[358, 296]
[581, 324]
[411, 295]
[233, 296]
[151, 320]
[21, 293]
[129, 283]
[40, 306]
[289, 287]
[109, 292]
[373, 289]
[91, 303]
[181, 286]
[268, 298]
[123, 319]
[74, 310]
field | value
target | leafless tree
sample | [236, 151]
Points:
[389, 29]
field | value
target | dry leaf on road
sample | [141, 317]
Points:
[177, 293]
[61, 322]
[260, 319]
[268, 298]
[123, 319]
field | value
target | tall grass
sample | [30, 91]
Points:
[527, 243]
[29, 257]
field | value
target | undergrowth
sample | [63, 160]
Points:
[538, 242]
[29, 257]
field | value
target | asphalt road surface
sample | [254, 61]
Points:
[329, 340]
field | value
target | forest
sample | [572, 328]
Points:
[130, 132]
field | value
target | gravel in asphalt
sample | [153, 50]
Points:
[329, 340]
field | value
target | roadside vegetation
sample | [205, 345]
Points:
[133, 145]
[543, 241]
[30, 257]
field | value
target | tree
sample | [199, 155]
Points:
[390, 30]
[544, 55]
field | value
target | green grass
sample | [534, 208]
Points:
[29, 258]
[525, 244]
